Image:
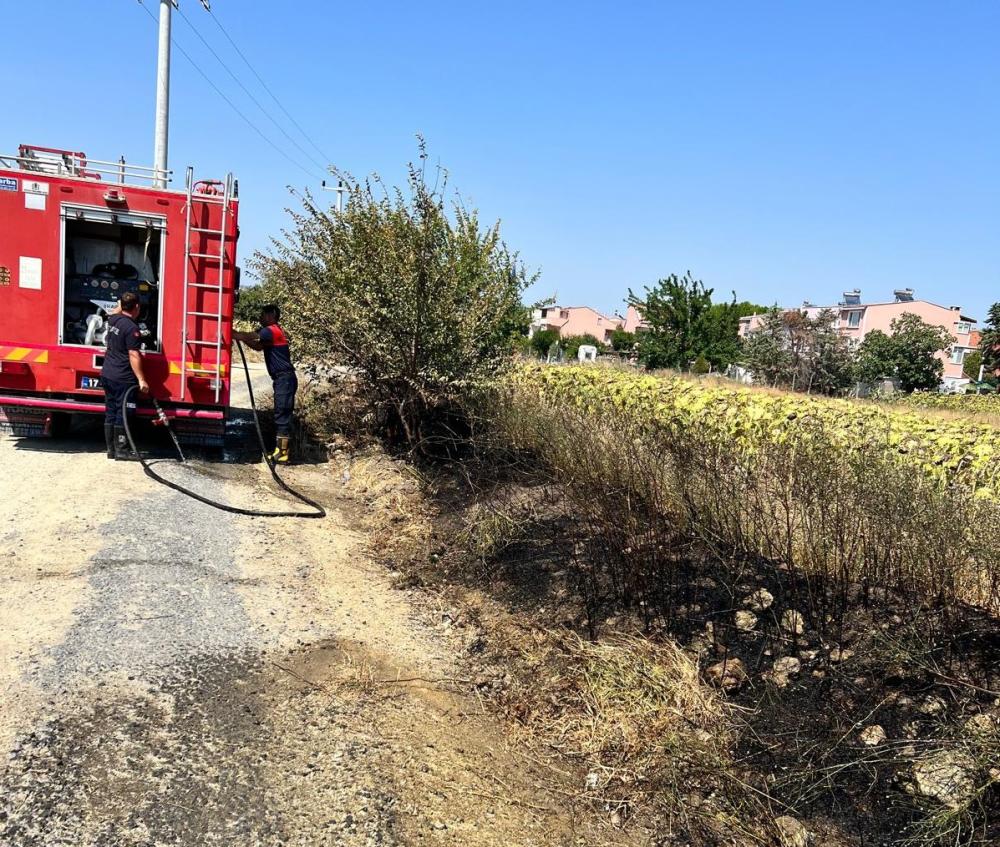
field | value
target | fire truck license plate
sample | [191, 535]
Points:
[91, 382]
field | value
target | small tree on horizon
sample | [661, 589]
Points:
[989, 346]
[830, 362]
[970, 365]
[803, 353]
[684, 324]
[621, 340]
[909, 354]
[766, 353]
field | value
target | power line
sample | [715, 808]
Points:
[250, 94]
[232, 105]
[265, 86]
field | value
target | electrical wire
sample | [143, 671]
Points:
[250, 94]
[232, 105]
[267, 88]
[319, 511]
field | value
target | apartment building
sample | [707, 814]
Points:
[855, 319]
[634, 321]
[575, 320]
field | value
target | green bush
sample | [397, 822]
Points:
[419, 300]
[542, 341]
[571, 345]
[622, 341]
[251, 299]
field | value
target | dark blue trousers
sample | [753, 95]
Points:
[114, 393]
[285, 386]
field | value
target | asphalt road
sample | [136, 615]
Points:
[174, 675]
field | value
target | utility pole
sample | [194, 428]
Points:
[162, 133]
[340, 190]
[161, 139]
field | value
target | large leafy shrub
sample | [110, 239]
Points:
[542, 341]
[418, 299]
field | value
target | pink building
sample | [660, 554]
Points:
[856, 319]
[634, 321]
[575, 320]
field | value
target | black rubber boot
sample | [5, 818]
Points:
[109, 439]
[123, 450]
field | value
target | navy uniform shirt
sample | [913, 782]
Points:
[277, 356]
[123, 336]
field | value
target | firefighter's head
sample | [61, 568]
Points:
[269, 314]
[130, 304]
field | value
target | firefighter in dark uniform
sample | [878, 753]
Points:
[122, 370]
[271, 338]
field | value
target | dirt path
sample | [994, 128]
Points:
[173, 675]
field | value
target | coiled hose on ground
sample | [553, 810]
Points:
[319, 511]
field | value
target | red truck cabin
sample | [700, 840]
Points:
[74, 236]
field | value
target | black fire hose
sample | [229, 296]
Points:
[319, 512]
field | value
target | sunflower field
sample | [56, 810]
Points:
[949, 451]
[975, 404]
[847, 495]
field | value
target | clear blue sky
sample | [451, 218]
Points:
[784, 150]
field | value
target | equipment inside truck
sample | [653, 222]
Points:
[105, 259]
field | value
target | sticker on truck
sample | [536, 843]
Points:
[8, 184]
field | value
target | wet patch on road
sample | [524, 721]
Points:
[224, 750]
[165, 722]
[175, 764]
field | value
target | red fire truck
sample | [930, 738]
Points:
[75, 235]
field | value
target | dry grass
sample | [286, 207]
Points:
[647, 734]
[970, 818]
[838, 517]
[640, 515]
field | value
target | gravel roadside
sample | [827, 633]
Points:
[173, 675]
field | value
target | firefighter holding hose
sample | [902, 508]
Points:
[121, 371]
[273, 341]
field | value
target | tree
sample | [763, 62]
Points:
[808, 354]
[701, 366]
[252, 298]
[571, 345]
[745, 308]
[765, 351]
[542, 340]
[989, 346]
[970, 365]
[622, 340]
[829, 365]
[418, 299]
[684, 324]
[909, 353]
[721, 334]
[876, 357]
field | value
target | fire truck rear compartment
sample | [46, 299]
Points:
[103, 261]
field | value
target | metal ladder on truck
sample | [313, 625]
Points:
[200, 261]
